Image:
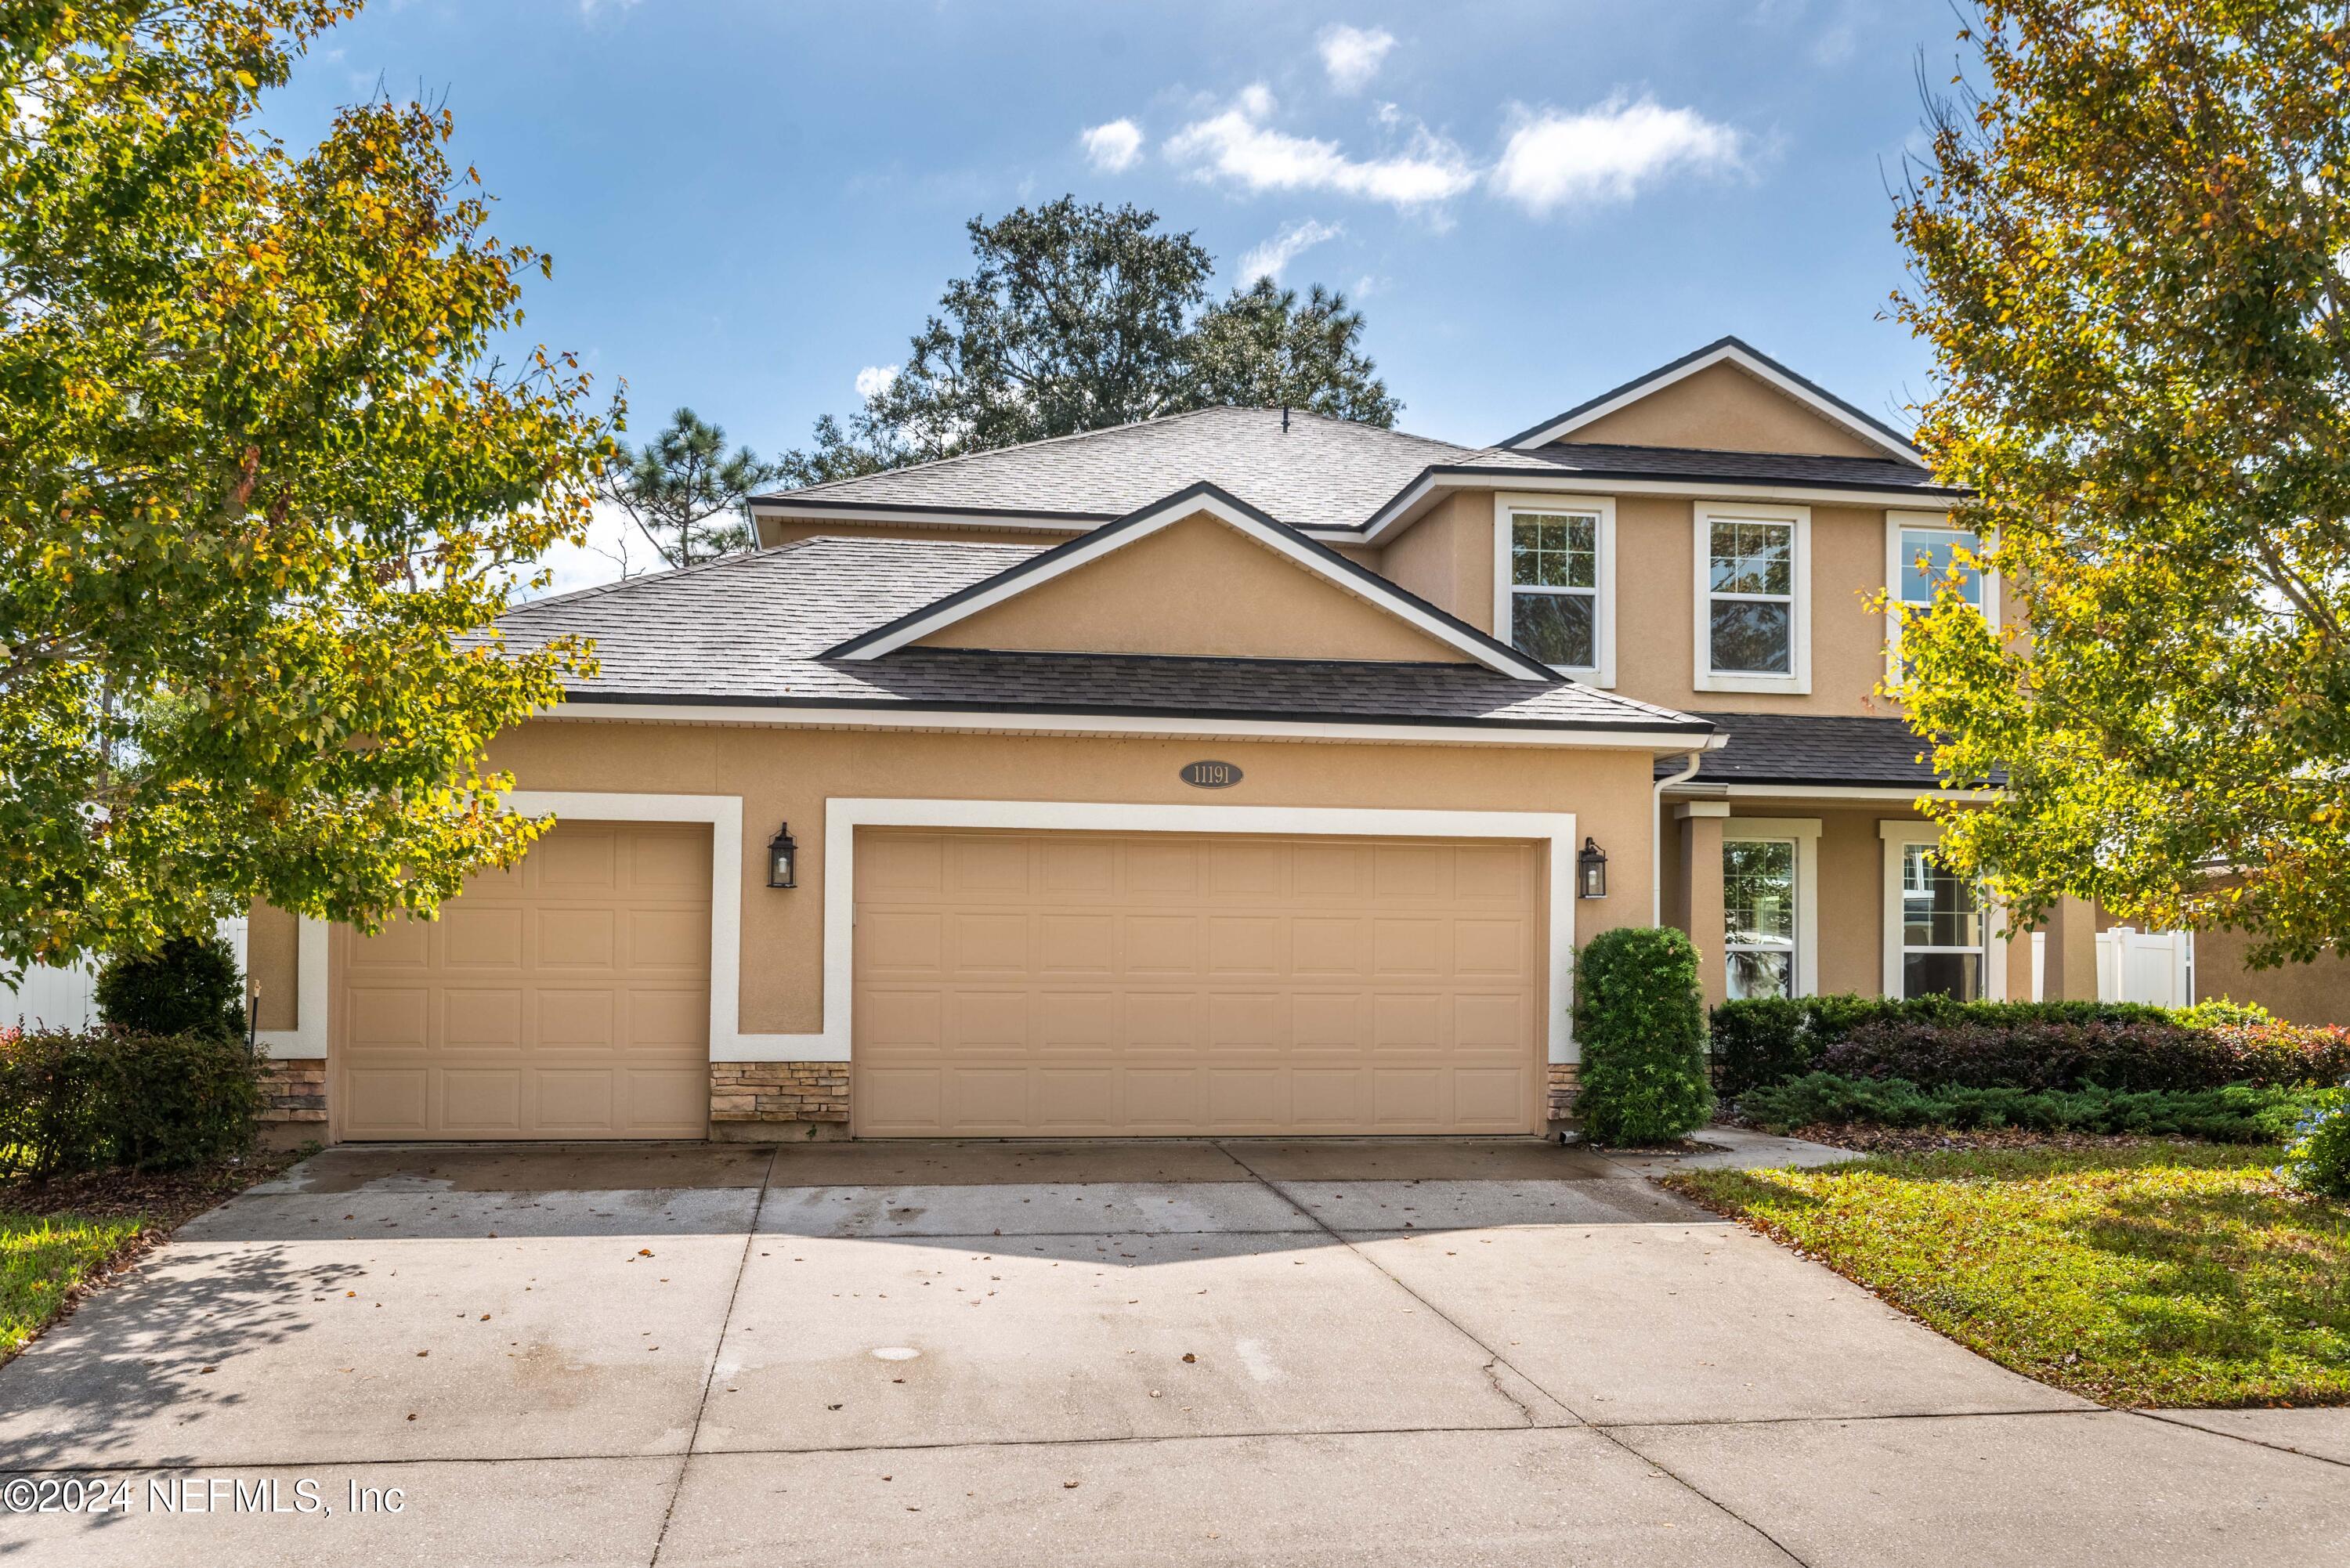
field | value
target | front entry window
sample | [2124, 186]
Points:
[1941, 930]
[1758, 916]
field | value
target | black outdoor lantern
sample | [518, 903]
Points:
[1591, 867]
[781, 853]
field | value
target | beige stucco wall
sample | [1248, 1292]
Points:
[271, 938]
[1657, 610]
[2315, 992]
[1724, 408]
[1447, 557]
[788, 774]
[1198, 588]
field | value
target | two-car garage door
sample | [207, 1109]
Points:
[1004, 984]
[1101, 984]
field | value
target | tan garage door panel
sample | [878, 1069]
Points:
[568, 998]
[1079, 984]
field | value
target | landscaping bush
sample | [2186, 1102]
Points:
[2025, 1053]
[1641, 1022]
[189, 985]
[2237, 1114]
[80, 1101]
[2318, 1158]
[1767, 1040]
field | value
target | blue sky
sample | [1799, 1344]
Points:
[751, 202]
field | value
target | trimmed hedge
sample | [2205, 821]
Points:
[84, 1101]
[2237, 1114]
[1640, 1020]
[2037, 1053]
[1769, 1041]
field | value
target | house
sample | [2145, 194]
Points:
[1241, 772]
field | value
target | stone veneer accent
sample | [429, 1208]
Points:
[1562, 1090]
[293, 1090]
[760, 1100]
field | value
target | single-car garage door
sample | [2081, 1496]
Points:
[1086, 983]
[569, 998]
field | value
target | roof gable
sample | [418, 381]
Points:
[1726, 396]
[1355, 613]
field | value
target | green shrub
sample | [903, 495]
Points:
[2318, 1158]
[189, 985]
[1767, 1041]
[2022, 1051]
[83, 1101]
[1641, 1022]
[2237, 1114]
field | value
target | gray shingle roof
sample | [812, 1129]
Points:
[1788, 749]
[749, 629]
[1689, 463]
[1321, 473]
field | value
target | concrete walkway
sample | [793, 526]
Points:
[1261, 1352]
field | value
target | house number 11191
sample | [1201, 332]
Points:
[1211, 775]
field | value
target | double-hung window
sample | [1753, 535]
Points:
[1938, 936]
[1555, 572]
[1921, 549]
[1753, 575]
[1769, 925]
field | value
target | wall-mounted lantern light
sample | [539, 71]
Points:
[1591, 868]
[781, 854]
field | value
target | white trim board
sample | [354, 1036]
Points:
[1661, 743]
[844, 816]
[306, 1041]
[1806, 833]
[1033, 572]
[1507, 506]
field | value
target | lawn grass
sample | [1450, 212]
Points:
[42, 1257]
[2167, 1274]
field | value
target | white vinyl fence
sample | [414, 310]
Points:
[51, 998]
[2154, 967]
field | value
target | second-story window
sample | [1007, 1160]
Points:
[1554, 586]
[1753, 575]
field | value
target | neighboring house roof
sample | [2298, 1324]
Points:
[1319, 473]
[755, 630]
[1191, 502]
[1686, 463]
[1747, 358]
[1791, 749]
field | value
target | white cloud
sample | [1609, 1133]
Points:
[1239, 147]
[1268, 259]
[1353, 54]
[1113, 148]
[613, 549]
[1607, 153]
[875, 380]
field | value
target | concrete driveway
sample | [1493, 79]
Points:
[1341, 1352]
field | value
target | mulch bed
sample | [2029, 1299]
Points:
[169, 1197]
[1870, 1138]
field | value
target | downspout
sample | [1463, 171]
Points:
[1656, 835]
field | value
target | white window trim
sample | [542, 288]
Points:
[1806, 833]
[1506, 508]
[1798, 680]
[1896, 564]
[1897, 837]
